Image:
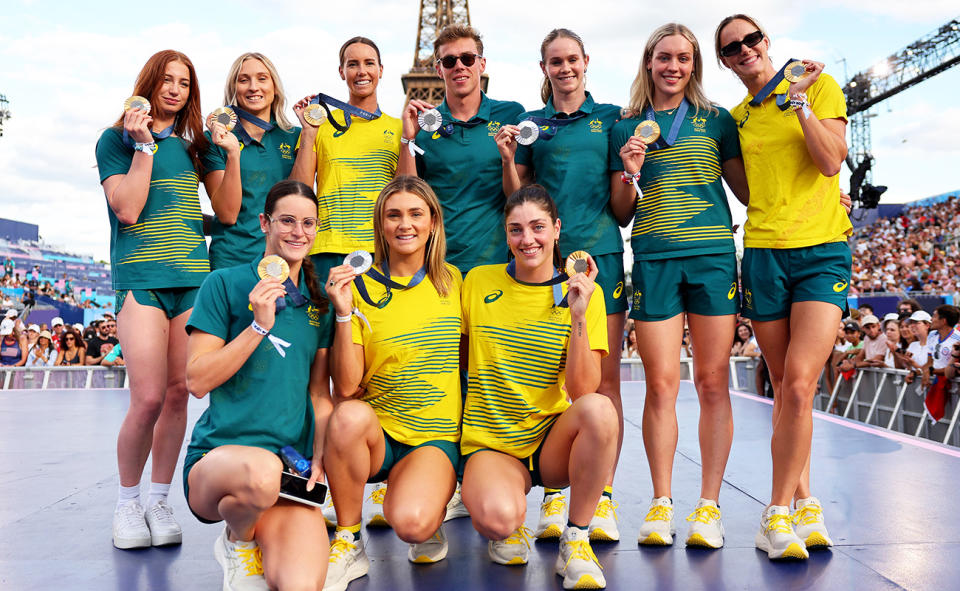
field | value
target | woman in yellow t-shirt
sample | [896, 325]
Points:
[796, 262]
[534, 346]
[397, 369]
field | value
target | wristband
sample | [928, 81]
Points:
[345, 318]
[412, 147]
[259, 329]
[279, 344]
[798, 102]
[633, 179]
[148, 148]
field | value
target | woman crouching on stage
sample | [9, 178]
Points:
[265, 366]
[530, 348]
[396, 370]
[796, 261]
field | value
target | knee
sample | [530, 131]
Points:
[261, 484]
[349, 423]
[661, 392]
[146, 407]
[597, 416]
[796, 398]
[412, 523]
[713, 390]
[497, 518]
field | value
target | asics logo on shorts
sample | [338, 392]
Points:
[492, 297]
[839, 286]
[618, 290]
[732, 292]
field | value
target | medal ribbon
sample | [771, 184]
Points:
[549, 127]
[246, 116]
[156, 136]
[666, 142]
[447, 130]
[559, 300]
[781, 99]
[297, 298]
[348, 110]
[384, 279]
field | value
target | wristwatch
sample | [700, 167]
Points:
[148, 148]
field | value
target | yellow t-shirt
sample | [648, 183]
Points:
[792, 205]
[412, 359]
[352, 168]
[517, 360]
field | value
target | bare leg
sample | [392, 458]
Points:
[494, 490]
[610, 376]
[172, 423]
[294, 545]
[420, 486]
[353, 452]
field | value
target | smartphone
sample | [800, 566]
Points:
[294, 488]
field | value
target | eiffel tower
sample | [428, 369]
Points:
[422, 82]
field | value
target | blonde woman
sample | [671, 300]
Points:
[684, 262]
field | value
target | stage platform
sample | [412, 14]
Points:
[888, 500]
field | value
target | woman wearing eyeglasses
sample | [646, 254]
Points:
[796, 262]
[244, 164]
[684, 265]
[264, 366]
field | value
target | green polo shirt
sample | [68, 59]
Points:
[572, 166]
[165, 247]
[262, 165]
[267, 402]
[464, 171]
[683, 210]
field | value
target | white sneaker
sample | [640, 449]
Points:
[706, 529]
[577, 563]
[776, 536]
[603, 525]
[432, 550]
[808, 523]
[241, 563]
[513, 550]
[129, 527]
[455, 507]
[329, 512]
[348, 561]
[376, 497]
[553, 517]
[164, 529]
[657, 528]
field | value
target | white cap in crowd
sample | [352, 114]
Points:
[78, 327]
[11, 313]
[56, 322]
[34, 327]
[6, 327]
[920, 316]
[891, 316]
[868, 319]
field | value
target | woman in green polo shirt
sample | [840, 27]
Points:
[265, 368]
[569, 159]
[148, 162]
[243, 164]
[684, 264]
[796, 262]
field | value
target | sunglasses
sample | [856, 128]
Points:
[449, 61]
[734, 48]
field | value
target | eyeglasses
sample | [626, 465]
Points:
[734, 48]
[449, 61]
[288, 223]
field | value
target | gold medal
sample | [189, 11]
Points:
[273, 266]
[314, 114]
[577, 262]
[225, 116]
[795, 71]
[360, 260]
[136, 102]
[648, 131]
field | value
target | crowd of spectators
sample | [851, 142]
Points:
[39, 345]
[916, 251]
[34, 284]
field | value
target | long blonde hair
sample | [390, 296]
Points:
[279, 104]
[642, 89]
[435, 258]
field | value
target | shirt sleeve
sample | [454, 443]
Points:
[113, 156]
[826, 98]
[597, 322]
[729, 136]
[215, 158]
[211, 310]
[618, 137]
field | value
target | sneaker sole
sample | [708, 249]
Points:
[655, 539]
[378, 521]
[584, 582]
[356, 570]
[698, 541]
[425, 559]
[166, 540]
[553, 532]
[794, 550]
[818, 540]
[131, 543]
[600, 535]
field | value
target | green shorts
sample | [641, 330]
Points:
[775, 278]
[705, 284]
[531, 462]
[610, 278]
[322, 263]
[394, 451]
[174, 301]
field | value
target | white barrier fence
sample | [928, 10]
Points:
[875, 396]
[65, 377]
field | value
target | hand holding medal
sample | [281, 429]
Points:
[802, 74]
[416, 116]
[137, 119]
[273, 271]
[341, 277]
[582, 270]
[220, 123]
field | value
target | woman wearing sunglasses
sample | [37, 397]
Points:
[684, 263]
[796, 262]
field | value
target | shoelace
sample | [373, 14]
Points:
[659, 513]
[581, 550]
[378, 495]
[606, 507]
[251, 560]
[555, 505]
[131, 515]
[340, 546]
[706, 514]
[779, 522]
[808, 514]
[161, 511]
[521, 536]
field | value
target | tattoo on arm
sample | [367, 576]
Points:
[579, 329]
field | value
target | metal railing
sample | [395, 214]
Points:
[62, 377]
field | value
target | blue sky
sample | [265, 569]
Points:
[66, 68]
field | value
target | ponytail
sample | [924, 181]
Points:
[313, 285]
